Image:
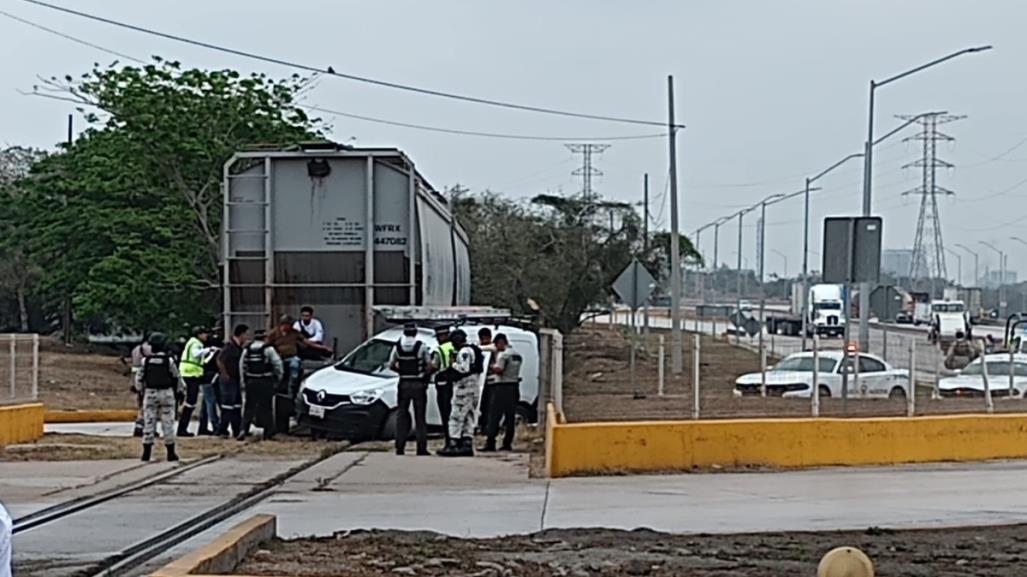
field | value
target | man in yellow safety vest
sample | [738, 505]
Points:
[191, 369]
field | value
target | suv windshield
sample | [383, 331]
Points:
[804, 365]
[371, 357]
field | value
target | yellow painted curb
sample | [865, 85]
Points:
[655, 446]
[100, 416]
[223, 554]
[20, 423]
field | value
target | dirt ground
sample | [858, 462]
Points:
[58, 447]
[609, 553]
[597, 384]
[82, 378]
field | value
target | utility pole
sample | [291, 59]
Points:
[645, 242]
[677, 341]
[67, 297]
[928, 247]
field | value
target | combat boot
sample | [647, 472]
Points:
[466, 447]
[449, 450]
[147, 450]
[172, 455]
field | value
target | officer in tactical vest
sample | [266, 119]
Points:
[260, 369]
[161, 382]
[412, 361]
[465, 373]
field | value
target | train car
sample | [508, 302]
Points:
[338, 228]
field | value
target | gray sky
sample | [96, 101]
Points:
[770, 91]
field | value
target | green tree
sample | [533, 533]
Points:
[560, 253]
[129, 214]
[19, 271]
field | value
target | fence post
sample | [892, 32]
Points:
[935, 391]
[816, 376]
[695, 376]
[557, 366]
[35, 366]
[911, 396]
[659, 369]
[763, 368]
[989, 404]
[14, 365]
[884, 333]
[1011, 373]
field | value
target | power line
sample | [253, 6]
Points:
[340, 113]
[331, 72]
[69, 37]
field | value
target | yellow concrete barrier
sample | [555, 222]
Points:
[20, 423]
[98, 416]
[220, 556]
[583, 448]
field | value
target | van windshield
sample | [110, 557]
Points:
[370, 358]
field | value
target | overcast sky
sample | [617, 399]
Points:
[770, 91]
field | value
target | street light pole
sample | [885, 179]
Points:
[868, 164]
[784, 258]
[1001, 278]
[959, 265]
[977, 263]
[763, 249]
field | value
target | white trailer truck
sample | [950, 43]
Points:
[825, 315]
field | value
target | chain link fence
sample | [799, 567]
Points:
[19, 368]
[600, 385]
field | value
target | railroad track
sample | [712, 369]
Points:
[138, 554]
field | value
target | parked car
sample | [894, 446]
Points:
[904, 318]
[356, 398]
[969, 382]
[793, 377]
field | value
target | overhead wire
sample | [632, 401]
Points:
[329, 70]
[365, 118]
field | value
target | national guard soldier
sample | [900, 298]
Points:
[412, 361]
[140, 352]
[465, 373]
[506, 392]
[161, 382]
[260, 370]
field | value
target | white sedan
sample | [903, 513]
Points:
[793, 377]
[970, 381]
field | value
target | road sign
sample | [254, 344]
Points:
[634, 285]
[852, 249]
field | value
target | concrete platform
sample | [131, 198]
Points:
[95, 429]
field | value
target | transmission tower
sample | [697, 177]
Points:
[928, 248]
[587, 171]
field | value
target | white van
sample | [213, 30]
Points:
[356, 398]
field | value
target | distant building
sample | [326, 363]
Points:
[992, 278]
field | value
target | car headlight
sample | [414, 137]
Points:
[366, 397]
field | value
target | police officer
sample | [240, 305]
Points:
[161, 380]
[465, 372]
[191, 369]
[506, 392]
[260, 369]
[443, 359]
[412, 361]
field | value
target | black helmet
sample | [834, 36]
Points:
[198, 330]
[158, 340]
[459, 337]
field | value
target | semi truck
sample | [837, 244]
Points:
[825, 315]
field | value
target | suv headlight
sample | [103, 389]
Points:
[366, 397]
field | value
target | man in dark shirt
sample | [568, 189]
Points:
[231, 392]
[288, 343]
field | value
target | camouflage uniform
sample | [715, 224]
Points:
[465, 396]
[159, 404]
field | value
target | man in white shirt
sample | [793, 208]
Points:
[311, 328]
[6, 529]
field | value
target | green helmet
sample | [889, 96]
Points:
[158, 340]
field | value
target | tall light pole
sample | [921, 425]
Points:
[805, 241]
[959, 265]
[784, 258]
[677, 340]
[738, 276]
[977, 263]
[868, 164]
[1001, 278]
[763, 249]
[716, 246]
